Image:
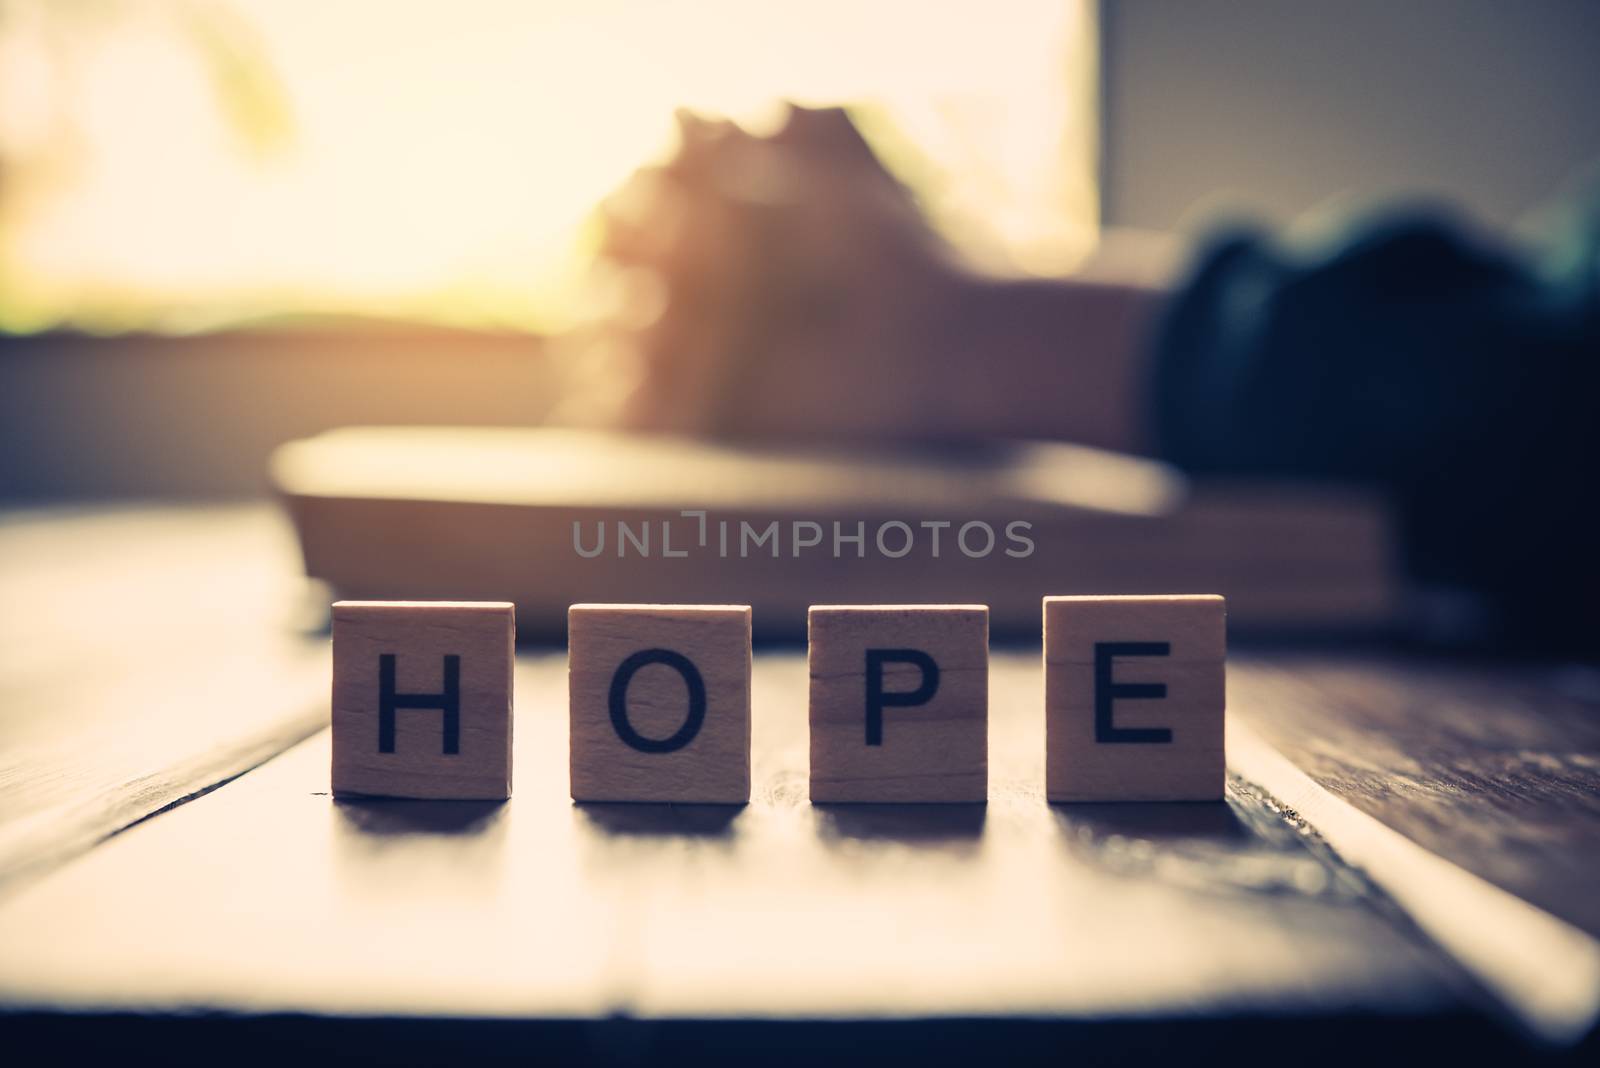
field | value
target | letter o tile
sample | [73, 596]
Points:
[659, 699]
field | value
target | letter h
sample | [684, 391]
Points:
[448, 702]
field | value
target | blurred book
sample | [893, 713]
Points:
[550, 517]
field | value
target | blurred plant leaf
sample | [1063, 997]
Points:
[247, 87]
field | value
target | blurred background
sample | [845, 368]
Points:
[229, 227]
[224, 225]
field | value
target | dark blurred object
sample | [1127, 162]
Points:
[1412, 357]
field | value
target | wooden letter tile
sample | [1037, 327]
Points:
[1134, 698]
[660, 702]
[899, 702]
[422, 698]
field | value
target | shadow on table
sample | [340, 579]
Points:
[908, 824]
[393, 816]
[647, 819]
[1217, 847]
[1163, 821]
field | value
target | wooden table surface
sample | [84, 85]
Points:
[264, 895]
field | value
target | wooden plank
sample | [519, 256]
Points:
[778, 910]
[1493, 766]
[1481, 770]
[145, 655]
[1471, 793]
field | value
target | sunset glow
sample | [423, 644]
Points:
[442, 161]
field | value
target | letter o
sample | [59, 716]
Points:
[901, 526]
[618, 700]
[988, 532]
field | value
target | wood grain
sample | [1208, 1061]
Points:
[146, 654]
[1493, 766]
[776, 910]
[1126, 911]
[923, 749]
[659, 699]
[1134, 698]
[422, 699]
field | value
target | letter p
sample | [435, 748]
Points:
[878, 699]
